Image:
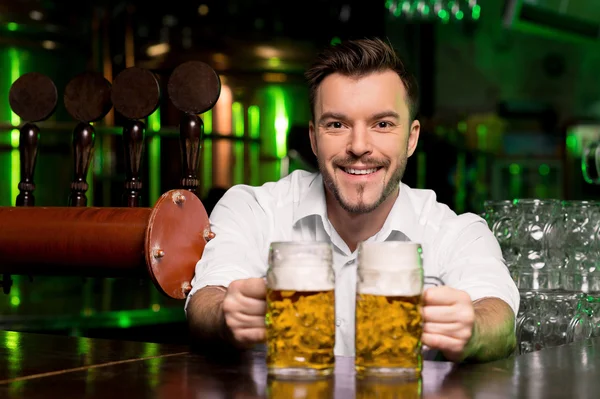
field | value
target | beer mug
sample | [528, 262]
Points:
[389, 321]
[300, 316]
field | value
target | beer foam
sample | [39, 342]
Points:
[389, 255]
[301, 277]
[390, 268]
[300, 266]
[402, 282]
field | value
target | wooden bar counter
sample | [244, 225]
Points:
[48, 366]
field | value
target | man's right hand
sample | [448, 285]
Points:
[244, 308]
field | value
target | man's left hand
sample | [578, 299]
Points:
[448, 319]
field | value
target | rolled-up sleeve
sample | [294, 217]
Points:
[472, 261]
[240, 226]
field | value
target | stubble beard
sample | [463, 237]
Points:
[361, 207]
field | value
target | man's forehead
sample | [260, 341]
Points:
[338, 89]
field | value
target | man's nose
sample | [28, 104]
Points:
[360, 142]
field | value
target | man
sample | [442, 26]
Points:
[362, 132]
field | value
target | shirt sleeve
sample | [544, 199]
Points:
[472, 261]
[239, 223]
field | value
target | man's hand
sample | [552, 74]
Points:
[244, 308]
[448, 317]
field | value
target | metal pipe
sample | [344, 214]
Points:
[86, 241]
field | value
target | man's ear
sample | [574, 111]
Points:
[413, 137]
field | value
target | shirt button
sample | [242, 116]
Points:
[338, 322]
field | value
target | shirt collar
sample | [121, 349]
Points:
[313, 202]
[401, 219]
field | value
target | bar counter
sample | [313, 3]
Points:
[43, 366]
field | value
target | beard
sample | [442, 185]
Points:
[361, 207]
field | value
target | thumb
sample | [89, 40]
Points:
[254, 288]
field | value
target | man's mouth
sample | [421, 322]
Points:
[352, 171]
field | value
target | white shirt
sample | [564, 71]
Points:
[461, 250]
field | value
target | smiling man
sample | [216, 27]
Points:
[363, 130]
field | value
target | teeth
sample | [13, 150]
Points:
[360, 171]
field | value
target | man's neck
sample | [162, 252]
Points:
[356, 227]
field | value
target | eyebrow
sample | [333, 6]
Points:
[331, 115]
[339, 116]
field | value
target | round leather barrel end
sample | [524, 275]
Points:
[176, 235]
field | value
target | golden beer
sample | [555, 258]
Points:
[300, 310]
[389, 322]
[300, 330]
[388, 332]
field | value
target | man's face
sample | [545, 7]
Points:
[362, 136]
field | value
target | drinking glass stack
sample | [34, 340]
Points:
[552, 249]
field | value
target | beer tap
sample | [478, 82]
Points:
[33, 97]
[87, 99]
[135, 95]
[194, 88]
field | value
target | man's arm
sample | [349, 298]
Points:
[205, 315]
[479, 331]
[472, 317]
[227, 300]
[493, 331]
[235, 315]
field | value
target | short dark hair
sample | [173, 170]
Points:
[357, 58]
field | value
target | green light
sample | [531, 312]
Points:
[254, 121]
[460, 15]
[544, 169]
[254, 129]
[389, 3]
[12, 26]
[207, 153]
[476, 11]
[443, 14]
[335, 41]
[154, 158]
[154, 121]
[572, 142]
[15, 356]
[237, 116]
[514, 169]
[276, 96]
[15, 301]
[425, 10]
[124, 321]
[207, 119]
[274, 62]
[15, 164]
[462, 127]
[482, 129]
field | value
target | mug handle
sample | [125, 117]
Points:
[432, 281]
[428, 282]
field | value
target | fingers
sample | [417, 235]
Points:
[244, 309]
[450, 346]
[454, 330]
[444, 296]
[240, 320]
[448, 314]
[249, 336]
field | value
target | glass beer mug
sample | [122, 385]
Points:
[389, 322]
[300, 309]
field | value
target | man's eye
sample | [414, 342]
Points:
[335, 125]
[383, 125]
